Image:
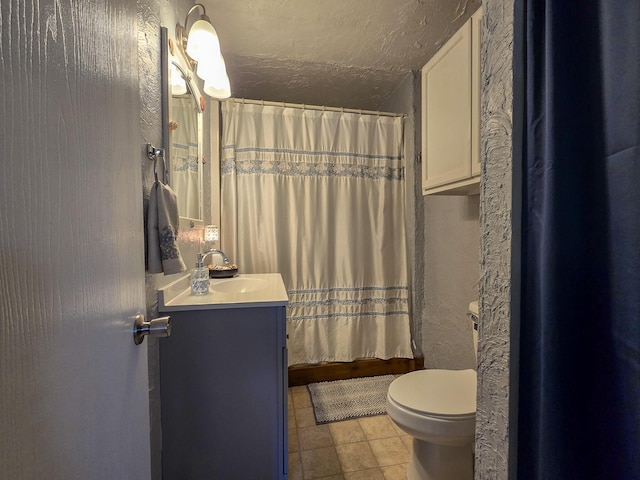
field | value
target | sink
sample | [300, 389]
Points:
[239, 285]
[247, 290]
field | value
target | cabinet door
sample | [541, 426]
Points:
[446, 112]
[223, 390]
[476, 30]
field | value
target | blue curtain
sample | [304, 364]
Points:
[579, 373]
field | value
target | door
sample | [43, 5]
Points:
[73, 387]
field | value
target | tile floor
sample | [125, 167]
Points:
[370, 448]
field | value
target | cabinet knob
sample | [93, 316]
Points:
[158, 327]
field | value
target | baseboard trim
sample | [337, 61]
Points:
[369, 367]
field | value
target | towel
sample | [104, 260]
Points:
[162, 231]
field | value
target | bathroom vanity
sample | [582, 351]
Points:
[223, 380]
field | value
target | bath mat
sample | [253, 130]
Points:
[345, 399]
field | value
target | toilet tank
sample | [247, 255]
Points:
[473, 318]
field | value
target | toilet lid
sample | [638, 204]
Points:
[437, 392]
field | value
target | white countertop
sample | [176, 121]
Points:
[270, 292]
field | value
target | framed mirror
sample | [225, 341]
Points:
[182, 121]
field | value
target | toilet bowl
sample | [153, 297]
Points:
[438, 409]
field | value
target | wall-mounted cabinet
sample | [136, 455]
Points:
[451, 115]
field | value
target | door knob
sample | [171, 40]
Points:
[158, 327]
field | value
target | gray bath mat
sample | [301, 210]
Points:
[346, 399]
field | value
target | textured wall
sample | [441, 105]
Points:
[495, 219]
[444, 251]
[403, 100]
[151, 15]
[452, 271]
[451, 256]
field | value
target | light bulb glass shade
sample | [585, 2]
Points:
[177, 90]
[214, 73]
[211, 67]
[178, 84]
[218, 90]
[202, 40]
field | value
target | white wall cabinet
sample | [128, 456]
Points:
[451, 114]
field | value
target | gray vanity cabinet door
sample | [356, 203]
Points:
[223, 389]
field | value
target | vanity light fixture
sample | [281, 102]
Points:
[200, 47]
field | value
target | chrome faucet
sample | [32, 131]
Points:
[202, 256]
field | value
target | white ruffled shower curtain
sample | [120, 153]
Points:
[318, 196]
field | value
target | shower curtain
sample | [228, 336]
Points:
[184, 156]
[579, 374]
[318, 196]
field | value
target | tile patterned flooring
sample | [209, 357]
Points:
[371, 448]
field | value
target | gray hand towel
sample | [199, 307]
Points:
[162, 231]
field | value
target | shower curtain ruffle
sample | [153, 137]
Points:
[340, 325]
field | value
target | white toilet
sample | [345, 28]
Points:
[438, 409]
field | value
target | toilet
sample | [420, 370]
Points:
[438, 409]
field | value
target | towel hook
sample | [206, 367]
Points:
[153, 153]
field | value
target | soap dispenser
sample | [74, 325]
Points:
[200, 278]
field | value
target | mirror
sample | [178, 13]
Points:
[185, 150]
[182, 131]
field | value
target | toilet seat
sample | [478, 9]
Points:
[445, 394]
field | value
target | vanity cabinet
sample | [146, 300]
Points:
[451, 114]
[223, 381]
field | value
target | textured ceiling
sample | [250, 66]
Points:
[340, 53]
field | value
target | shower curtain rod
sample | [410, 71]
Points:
[314, 107]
